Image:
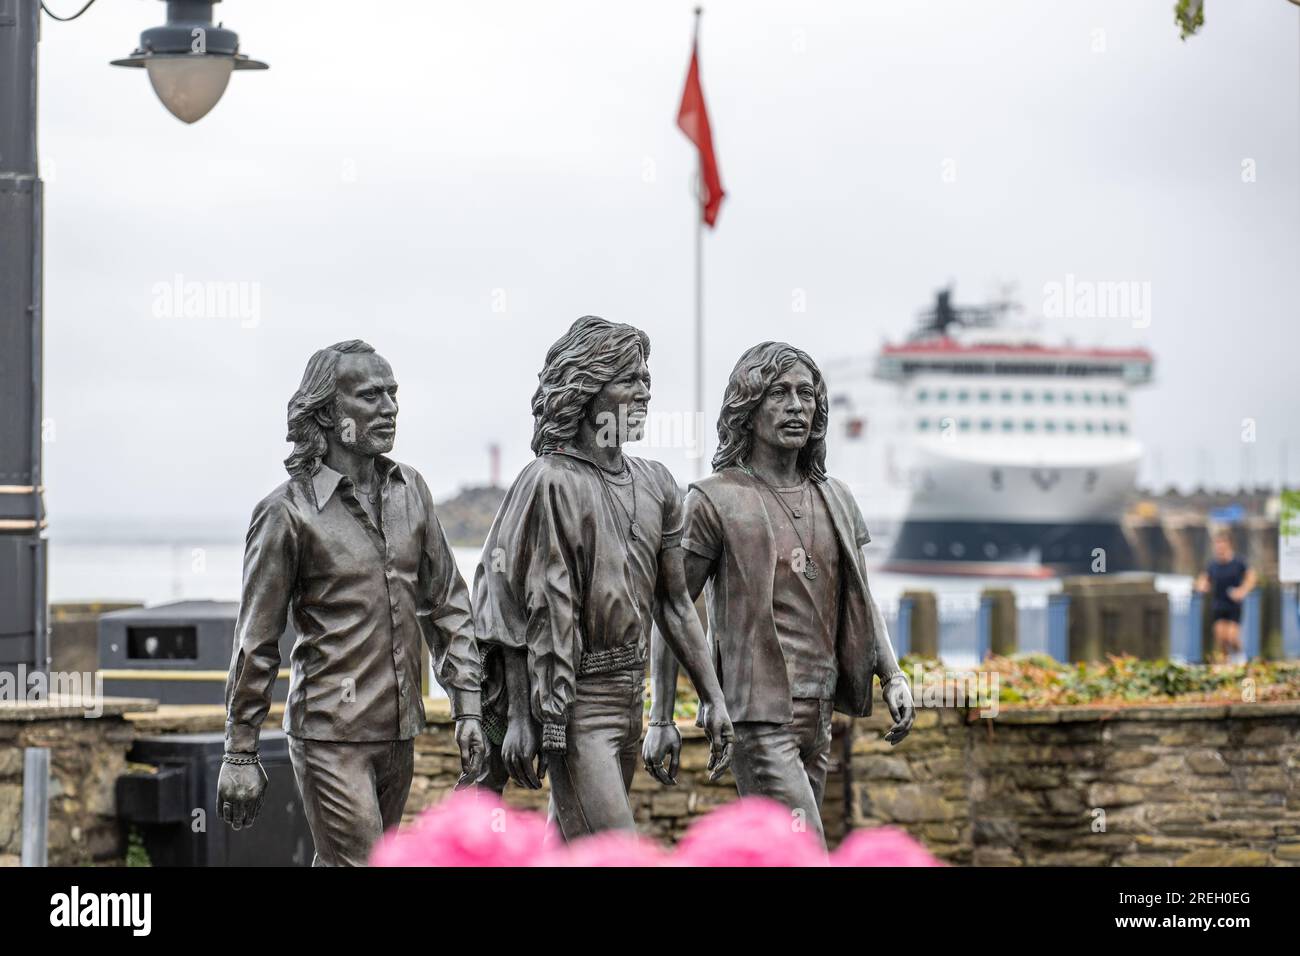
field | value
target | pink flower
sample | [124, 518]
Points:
[469, 828]
[753, 831]
[882, 846]
[613, 848]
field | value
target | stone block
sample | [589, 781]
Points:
[1114, 794]
[882, 767]
[1224, 856]
[906, 803]
[1207, 762]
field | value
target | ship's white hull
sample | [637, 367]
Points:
[1013, 480]
[993, 506]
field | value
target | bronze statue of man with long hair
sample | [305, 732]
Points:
[349, 547]
[794, 629]
[583, 556]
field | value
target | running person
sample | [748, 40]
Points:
[1229, 580]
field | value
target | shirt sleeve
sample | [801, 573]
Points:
[702, 533]
[270, 574]
[860, 533]
[448, 624]
[551, 606]
[674, 519]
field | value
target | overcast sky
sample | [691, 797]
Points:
[457, 182]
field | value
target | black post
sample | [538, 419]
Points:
[23, 611]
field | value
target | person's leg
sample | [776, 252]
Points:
[588, 791]
[1231, 637]
[815, 744]
[766, 762]
[1220, 652]
[630, 757]
[394, 780]
[337, 784]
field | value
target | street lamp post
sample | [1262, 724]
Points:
[189, 59]
[23, 625]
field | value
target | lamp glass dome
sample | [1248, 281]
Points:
[190, 85]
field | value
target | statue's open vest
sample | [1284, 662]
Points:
[742, 633]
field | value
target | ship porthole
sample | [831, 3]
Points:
[930, 549]
[957, 549]
[990, 549]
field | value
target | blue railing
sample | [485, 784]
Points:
[1250, 626]
[1290, 623]
[903, 632]
[984, 629]
[966, 630]
[1058, 626]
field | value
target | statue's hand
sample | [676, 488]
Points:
[898, 697]
[241, 790]
[523, 745]
[717, 724]
[660, 743]
[473, 750]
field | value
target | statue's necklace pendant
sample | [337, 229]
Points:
[810, 570]
[797, 513]
[635, 531]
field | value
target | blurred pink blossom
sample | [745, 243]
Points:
[473, 828]
[882, 846]
[469, 828]
[753, 831]
[615, 848]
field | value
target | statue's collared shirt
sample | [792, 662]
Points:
[563, 576]
[361, 598]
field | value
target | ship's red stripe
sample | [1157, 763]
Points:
[949, 346]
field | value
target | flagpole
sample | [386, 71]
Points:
[699, 288]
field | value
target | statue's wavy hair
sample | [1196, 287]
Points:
[578, 365]
[753, 375]
[318, 390]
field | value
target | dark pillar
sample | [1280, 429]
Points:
[23, 628]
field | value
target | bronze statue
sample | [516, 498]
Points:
[584, 554]
[793, 627]
[349, 546]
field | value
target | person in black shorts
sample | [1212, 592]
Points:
[1228, 580]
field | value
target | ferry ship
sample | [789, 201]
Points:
[1020, 456]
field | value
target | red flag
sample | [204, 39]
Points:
[693, 119]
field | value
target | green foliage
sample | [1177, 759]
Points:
[1190, 17]
[136, 854]
[1036, 680]
[1289, 518]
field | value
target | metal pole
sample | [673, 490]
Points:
[699, 327]
[699, 286]
[36, 806]
[23, 612]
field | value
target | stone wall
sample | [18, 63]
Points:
[662, 812]
[1188, 784]
[86, 758]
[1160, 785]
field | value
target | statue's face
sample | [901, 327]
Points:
[618, 411]
[784, 417]
[365, 405]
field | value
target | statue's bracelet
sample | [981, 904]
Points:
[241, 760]
[663, 723]
[468, 717]
[884, 684]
